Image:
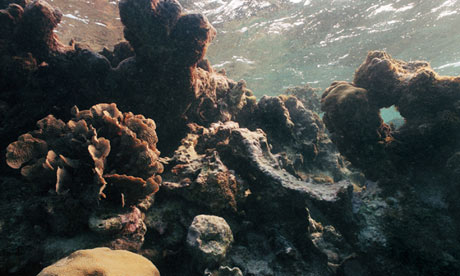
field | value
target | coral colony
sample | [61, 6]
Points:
[241, 187]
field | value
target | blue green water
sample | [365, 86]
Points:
[275, 44]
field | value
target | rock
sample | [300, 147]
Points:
[399, 214]
[200, 176]
[298, 135]
[208, 240]
[429, 104]
[101, 261]
[307, 95]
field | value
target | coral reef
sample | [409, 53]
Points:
[427, 102]
[413, 165]
[266, 168]
[224, 154]
[100, 155]
[102, 164]
[101, 261]
[249, 175]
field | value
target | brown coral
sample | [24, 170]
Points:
[429, 103]
[32, 24]
[168, 44]
[114, 151]
[159, 32]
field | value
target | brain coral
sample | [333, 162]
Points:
[100, 154]
[101, 261]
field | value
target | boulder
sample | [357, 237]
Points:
[208, 239]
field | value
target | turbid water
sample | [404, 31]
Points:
[275, 44]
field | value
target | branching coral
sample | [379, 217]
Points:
[100, 154]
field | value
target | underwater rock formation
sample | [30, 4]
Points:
[230, 171]
[89, 178]
[429, 104]
[409, 217]
[101, 261]
[308, 95]
[299, 134]
[266, 167]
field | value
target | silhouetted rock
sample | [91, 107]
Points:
[409, 217]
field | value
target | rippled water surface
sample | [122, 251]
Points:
[93, 22]
[274, 44]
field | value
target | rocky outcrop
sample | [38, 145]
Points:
[101, 261]
[427, 102]
[414, 165]
[255, 203]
